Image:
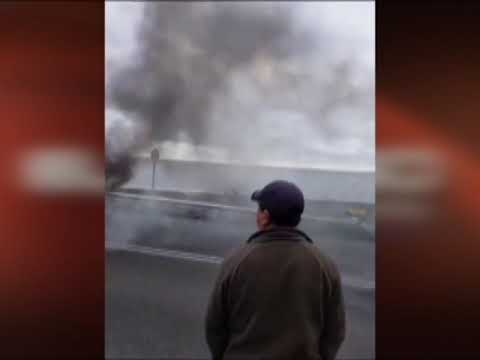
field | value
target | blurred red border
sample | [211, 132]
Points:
[52, 258]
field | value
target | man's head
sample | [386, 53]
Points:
[280, 203]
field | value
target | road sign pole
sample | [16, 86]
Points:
[154, 155]
[153, 176]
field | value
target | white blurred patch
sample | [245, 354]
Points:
[410, 171]
[408, 181]
[62, 171]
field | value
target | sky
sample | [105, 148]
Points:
[346, 30]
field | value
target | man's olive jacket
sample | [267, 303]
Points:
[276, 297]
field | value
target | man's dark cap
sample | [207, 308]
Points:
[283, 200]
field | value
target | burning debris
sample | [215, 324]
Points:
[123, 137]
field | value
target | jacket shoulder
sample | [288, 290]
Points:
[235, 257]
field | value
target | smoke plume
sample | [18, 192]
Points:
[187, 51]
[233, 81]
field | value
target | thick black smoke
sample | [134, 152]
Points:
[123, 137]
[187, 50]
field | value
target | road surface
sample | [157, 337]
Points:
[163, 257]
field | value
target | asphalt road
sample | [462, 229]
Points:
[162, 260]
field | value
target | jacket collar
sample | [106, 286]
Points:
[279, 233]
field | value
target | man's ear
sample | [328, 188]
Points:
[266, 219]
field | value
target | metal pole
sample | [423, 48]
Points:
[153, 175]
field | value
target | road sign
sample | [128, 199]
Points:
[155, 155]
